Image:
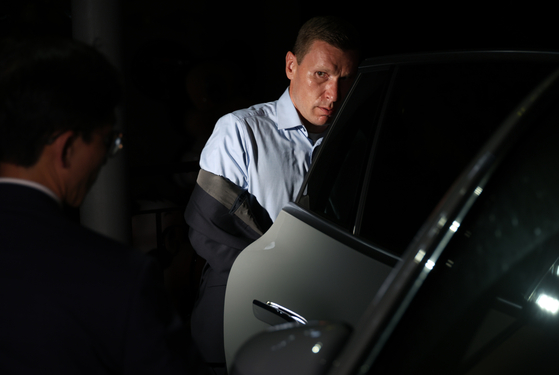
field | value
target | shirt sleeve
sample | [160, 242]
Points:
[225, 154]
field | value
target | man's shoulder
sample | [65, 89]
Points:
[34, 221]
[278, 114]
[256, 112]
[258, 115]
[259, 118]
[51, 243]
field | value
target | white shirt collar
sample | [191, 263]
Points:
[288, 117]
[31, 184]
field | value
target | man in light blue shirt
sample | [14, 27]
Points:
[255, 162]
[265, 150]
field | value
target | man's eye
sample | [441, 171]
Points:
[321, 74]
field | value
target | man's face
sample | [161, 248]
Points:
[320, 82]
[88, 158]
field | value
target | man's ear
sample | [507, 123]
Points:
[290, 65]
[63, 147]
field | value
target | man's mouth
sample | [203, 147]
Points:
[326, 111]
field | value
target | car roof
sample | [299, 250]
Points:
[460, 56]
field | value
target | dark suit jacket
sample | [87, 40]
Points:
[75, 302]
[223, 221]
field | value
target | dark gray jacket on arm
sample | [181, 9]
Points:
[223, 220]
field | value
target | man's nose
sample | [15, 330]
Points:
[332, 91]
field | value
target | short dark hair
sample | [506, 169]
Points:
[330, 29]
[49, 86]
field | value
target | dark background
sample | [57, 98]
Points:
[186, 63]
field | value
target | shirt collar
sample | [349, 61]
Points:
[30, 184]
[288, 117]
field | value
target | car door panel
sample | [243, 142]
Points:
[302, 269]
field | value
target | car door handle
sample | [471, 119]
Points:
[273, 313]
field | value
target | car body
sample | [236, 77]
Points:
[411, 151]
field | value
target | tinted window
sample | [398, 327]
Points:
[337, 184]
[436, 118]
[491, 302]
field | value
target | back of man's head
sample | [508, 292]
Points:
[47, 87]
[332, 30]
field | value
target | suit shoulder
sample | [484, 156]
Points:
[98, 246]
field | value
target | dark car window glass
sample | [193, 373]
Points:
[437, 119]
[490, 305]
[338, 180]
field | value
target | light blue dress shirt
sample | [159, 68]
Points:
[264, 149]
